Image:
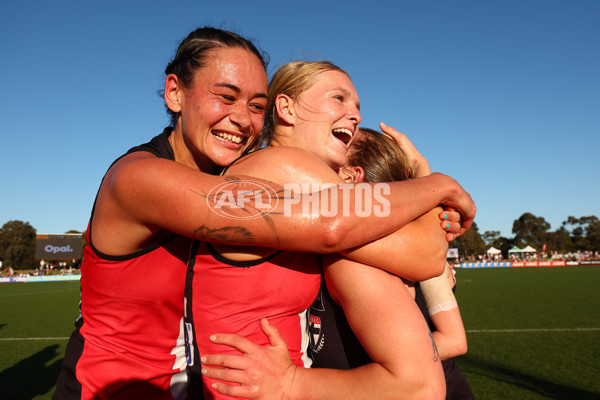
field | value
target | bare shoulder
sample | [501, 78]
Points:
[130, 209]
[284, 164]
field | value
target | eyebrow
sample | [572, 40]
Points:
[238, 90]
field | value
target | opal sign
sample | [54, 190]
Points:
[66, 246]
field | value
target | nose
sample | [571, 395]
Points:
[240, 116]
[354, 115]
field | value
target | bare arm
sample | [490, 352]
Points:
[416, 252]
[449, 333]
[422, 239]
[143, 196]
[396, 338]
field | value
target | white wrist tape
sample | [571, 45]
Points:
[445, 306]
[438, 293]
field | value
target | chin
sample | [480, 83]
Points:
[223, 160]
[337, 161]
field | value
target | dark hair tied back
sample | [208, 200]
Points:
[191, 53]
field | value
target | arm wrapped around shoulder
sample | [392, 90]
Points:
[438, 294]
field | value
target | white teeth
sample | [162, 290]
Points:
[228, 137]
[344, 130]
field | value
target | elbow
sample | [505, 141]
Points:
[434, 266]
[432, 388]
[457, 348]
[441, 258]
[332, 235]
[461, 347]
[438, 260]
[435, 262]
[428, 383]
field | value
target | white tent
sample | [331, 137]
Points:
[492, 251]
[529, 249]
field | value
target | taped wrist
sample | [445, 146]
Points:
[438, 294]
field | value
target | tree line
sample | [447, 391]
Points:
[17, 239]
[574, 234]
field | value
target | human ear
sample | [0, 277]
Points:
[352, 174]
[285, 109]
[359, 173]
[172, 93]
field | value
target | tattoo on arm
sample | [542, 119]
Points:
[228, 233]
[224, 199]
[436, 355]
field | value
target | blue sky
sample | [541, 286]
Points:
[504, 96]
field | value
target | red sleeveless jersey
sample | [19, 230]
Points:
[225, 296]
[129, 341]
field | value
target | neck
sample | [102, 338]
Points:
[184, 156]
[284, 136]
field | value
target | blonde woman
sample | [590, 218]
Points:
[312, 114]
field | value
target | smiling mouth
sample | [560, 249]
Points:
[228, 137]
[343, 134]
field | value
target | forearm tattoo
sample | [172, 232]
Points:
[227, 233]
[436, 355]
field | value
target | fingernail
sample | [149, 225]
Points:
[204, 371]
[447, 225]
[445, 216]
[212, 338]
[203, 359]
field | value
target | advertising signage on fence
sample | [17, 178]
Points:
[520, 264]
[558, 263]
[66, 246]
[589, 262]
[46, 278]
[498, 264]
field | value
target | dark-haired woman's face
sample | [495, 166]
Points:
[222, 113]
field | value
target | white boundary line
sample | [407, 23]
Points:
[530, 330]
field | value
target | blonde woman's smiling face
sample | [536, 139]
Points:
[327, 117]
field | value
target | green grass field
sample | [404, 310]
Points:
[534, 333]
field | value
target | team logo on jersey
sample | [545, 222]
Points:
[316, 338]
[242, 199]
